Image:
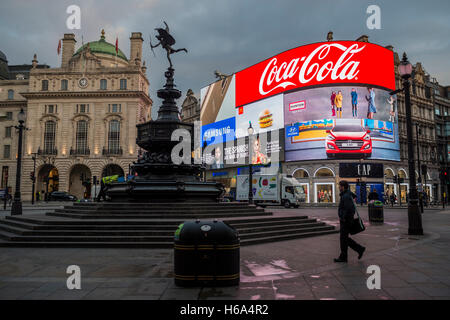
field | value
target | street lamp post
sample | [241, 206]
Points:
[414, 216]
[16, 207]
[419, 178]
[250, 167]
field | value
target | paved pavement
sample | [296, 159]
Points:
[412, 267]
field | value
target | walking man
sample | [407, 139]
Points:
[346, 212]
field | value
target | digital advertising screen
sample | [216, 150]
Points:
[331, 99]
[264, 115]
[341, 122]
[267, 149]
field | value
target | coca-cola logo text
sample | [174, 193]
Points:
[277, 75]
[325, 63]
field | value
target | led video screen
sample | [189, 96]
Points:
[341, 122]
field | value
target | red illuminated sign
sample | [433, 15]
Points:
[335, 62]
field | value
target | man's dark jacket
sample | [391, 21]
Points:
[346, 207]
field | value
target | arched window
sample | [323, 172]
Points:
[103, 84]
[82, 136]
[301, 173]
[114, 137]
[402, 173]
[10, 94]
[49, 137]
[324, 172]
[44, 85]
[389, 173]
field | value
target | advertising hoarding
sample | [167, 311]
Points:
[293, 90]
[324, 63]
[341, 122]
[267, 149]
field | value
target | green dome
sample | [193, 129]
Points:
[101, 46]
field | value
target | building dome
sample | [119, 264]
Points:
[103, 47]
[4, 71]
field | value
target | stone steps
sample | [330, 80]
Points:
[125, 228]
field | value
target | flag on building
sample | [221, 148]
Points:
[59, 47]
[117, 45]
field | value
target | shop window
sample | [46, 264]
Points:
[5, 170]
[324, 193]
[305, 188]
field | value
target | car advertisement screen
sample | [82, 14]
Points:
[341, 122]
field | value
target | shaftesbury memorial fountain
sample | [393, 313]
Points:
[158, 178]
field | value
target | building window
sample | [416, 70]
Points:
[103, 84]
[50, 108]
[439, 130]
[115, 108]
[10, 94]
[64, 84]
[114, 136]
[82, 108]
[9, 115]
[6, 151]
[49, 137]
[324, 192]
[123, 84]
[8, 132]
[82, 135]
[44, 85]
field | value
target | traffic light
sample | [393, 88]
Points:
[32, 176]
[395, 179]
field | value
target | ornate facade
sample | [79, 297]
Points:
[82, 116]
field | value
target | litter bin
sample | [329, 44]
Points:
[206, 253]
[376, 213]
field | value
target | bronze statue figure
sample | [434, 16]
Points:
[166, 41]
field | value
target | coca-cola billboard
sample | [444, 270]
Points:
[325, 63]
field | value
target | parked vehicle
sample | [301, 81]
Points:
[62, 196]
[348, 139]
[271, 189]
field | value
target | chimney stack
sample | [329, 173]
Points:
[68, 49]
[136, 48]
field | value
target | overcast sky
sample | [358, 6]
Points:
[226, 35]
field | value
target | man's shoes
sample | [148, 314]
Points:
[360, 254]
[340, 259]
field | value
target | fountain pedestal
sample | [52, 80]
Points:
[158, 178]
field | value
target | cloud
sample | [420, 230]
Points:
[226, 35]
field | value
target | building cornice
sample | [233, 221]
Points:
[87, 94]
[13, 103]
